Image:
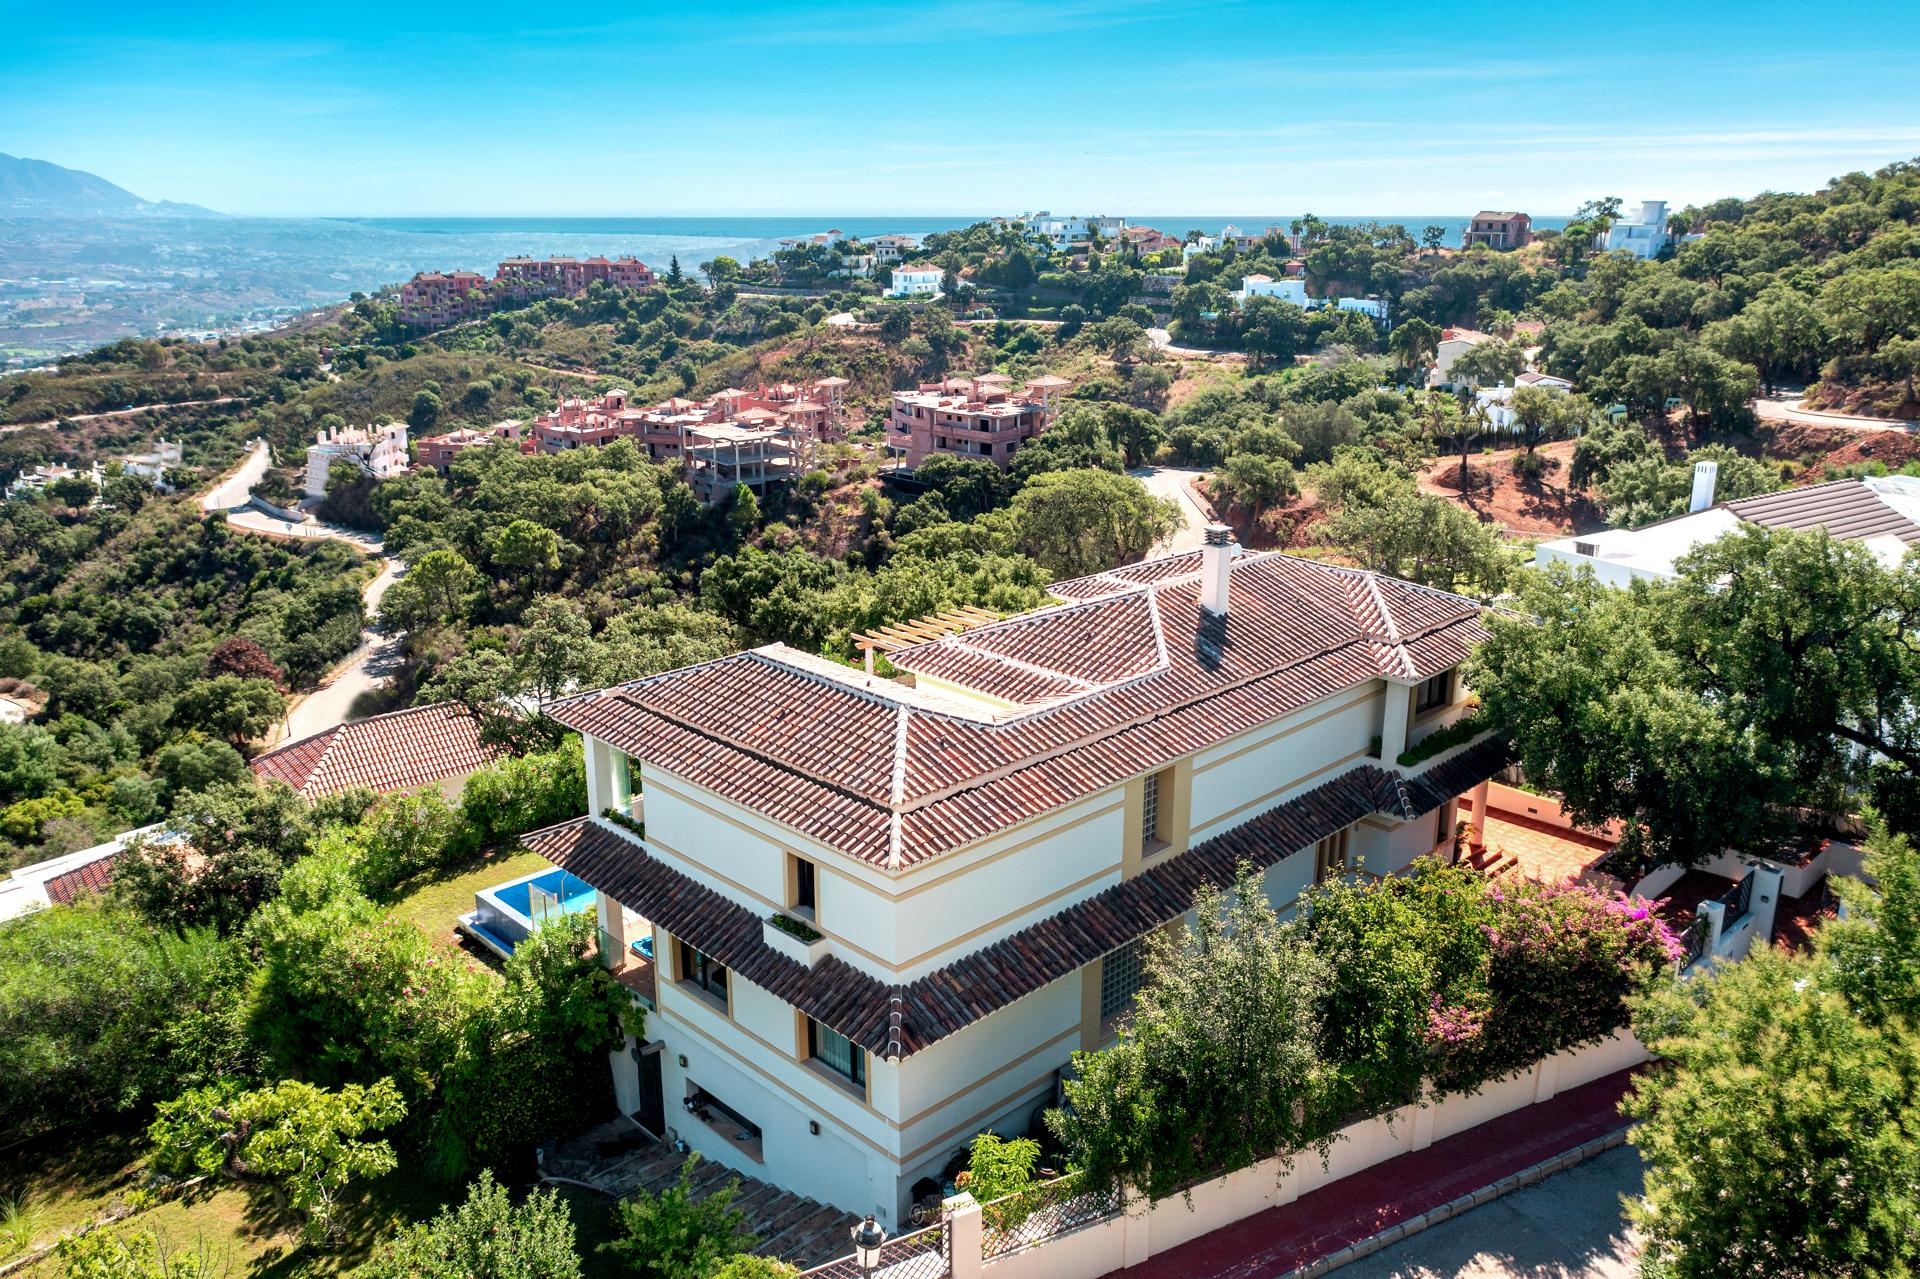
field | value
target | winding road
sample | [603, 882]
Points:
[1173, 482]
[372, 662]
[1786, 408]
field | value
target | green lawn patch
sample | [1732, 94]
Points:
[435, 903]
[72, 1179]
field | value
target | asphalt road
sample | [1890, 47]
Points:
[1567, 1227]
[373, 661]
[1171, 481]
[233, 489]
[1786, 408]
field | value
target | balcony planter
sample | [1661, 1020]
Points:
[786, 938]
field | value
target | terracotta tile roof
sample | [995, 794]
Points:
[862, 1007]
[93, 877]
[396, 751]
[1126, 679]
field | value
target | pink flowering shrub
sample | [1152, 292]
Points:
[1564, 959]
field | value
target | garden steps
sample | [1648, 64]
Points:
[819, 1238]
[791, 1227]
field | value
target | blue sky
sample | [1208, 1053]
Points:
[546, 107]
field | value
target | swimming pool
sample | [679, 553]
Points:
[557, 887]
[504, 915]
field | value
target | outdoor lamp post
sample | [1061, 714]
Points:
[868, 1236]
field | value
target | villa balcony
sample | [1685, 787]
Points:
[629, 957]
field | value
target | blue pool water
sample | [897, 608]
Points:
[575, 894]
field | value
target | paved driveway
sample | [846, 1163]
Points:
[1171, 481]
[1567, 1227]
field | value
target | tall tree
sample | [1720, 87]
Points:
[1702, 714]
[1217, 1067]
[1080, 522]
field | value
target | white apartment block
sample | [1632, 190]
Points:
[976, 849]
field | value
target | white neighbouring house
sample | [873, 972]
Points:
[38, 479]
[972, 854]
[379, 451]
[1294, 290]
[1265, 286]
[1882, 513]
[154, 464]
[1454, 343]
[1066, 231]
[1643, 235]
[922, 279]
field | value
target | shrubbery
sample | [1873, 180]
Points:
[486, 1237]
[670, 1235]
[1254, 1038]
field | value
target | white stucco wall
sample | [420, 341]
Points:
[1242, 777]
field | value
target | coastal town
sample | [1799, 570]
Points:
[1026, 745]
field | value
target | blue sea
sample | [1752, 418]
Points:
[474, 242]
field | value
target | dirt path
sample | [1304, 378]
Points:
[1546, 507]
[111, 413]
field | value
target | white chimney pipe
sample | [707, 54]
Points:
[1704, 476]
[1216, 559]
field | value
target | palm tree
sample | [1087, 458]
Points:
[1411, 343]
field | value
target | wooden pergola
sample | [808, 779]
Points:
[889, 639]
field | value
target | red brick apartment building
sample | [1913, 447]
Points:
[1499, 230]
[435, 299]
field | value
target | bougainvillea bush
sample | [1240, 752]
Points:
[1447, 976]
[1564, 959]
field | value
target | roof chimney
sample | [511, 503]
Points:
[1216, 558]
[1704, 475]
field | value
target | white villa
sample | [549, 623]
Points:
[886, 911]
[1643, 235]
[1294, 290]
[1882, 513]
[381, 452]
[1265, 286]
[154, 464]
[922, 279]
[1065, 231]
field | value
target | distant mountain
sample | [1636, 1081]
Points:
[38, 189]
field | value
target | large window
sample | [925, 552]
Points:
[804, 900]
[1120, 976]
[836, 1052]
[1434, 694]
[1156, 811]
[703, 971]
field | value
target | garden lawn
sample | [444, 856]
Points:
[73, 1180]
[435, 903]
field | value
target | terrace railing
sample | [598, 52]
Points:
[1738, 900]
[1041, 1212]
[1694, 941]
[920, 1255]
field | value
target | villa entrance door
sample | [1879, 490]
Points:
[652, 1114]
